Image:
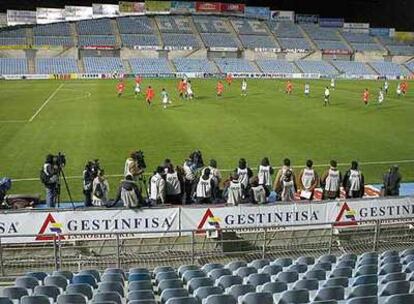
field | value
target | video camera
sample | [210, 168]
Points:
[139, 157]
[59, 160]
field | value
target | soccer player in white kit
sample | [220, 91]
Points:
[333, 83]
[190, 93]
[386, 86]
[244, 87]
[399, 89]
[327, 96]
[307, 89]
[165, 98]
[137, 89]
[380, 96]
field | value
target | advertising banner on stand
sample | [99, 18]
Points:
[74, 13]
[307, 18]
[183, 7]
[282, 15]
[131, 8]
[105, 10]
[257, 12]
[208, 7]
[331, 22]
[159, 7]
[17, 17]
[49, 15]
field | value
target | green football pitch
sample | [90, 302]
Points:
[86, 120]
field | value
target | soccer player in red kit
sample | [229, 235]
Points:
[229, 79]
[220, 88]
[289, 87]
[120, 87]
[138, 79]
[149, 95]
[404, 87]
[365, 96]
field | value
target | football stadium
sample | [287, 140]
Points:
[178, 152]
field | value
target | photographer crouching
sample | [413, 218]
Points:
[49, 176]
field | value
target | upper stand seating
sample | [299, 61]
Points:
[103, 64]
[397, 47]
[386, 68]
[152, 66]
[211, 24]
[289, 35]
[13, 66]
[187, 65]
[361, 42]
[13, 37]
[253, 34]
[57, 65]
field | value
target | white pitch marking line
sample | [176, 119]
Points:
[13, 121]
[46, 102]
[404, 161]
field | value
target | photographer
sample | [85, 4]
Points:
[89, 173]
[157, 187]
[5, 185]
[100, 190]
[173, 184]
[135, 164]
[129, 193]
[191, 165]
[49, 177]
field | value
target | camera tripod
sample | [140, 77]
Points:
[61, 176]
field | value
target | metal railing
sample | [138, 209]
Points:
[150, 249]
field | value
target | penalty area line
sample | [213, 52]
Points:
[404, 161]
[46, 102]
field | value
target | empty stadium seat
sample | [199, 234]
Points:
[366, 270]
[190, 274]
[165, 276]
[85, 278]
[27, 282]
[39, 275]
[365, 279]
[284, 262]
[71, 298]
[139, 277]
[220, 299]
[257, 279]
[95, 27]
[111, 286]
[239, 290]
[182, 269]
[80, 288]
[400, 299]
[245, 271]
[395, 287]
[113, 277]
[273, 287]
[64, 273]
[172, 40]
[297, 296]
[194, 283]
[286, 276]
[363, 300]
[308, 284]
[135, 25]
[182, 300]
[209, 267]
[217, 273]
[204, 291]
[50, 291]
[337, 281]
[107, 296]
[299, 268]
[341, 272]
[173, 293]
[219, 40]
[271, 269]
[384, 68]
[330, 293]
[352, 68]
[35, 299]
[257, 298]
[236, 265]
[13, 66]
[318, 274]
[367, 290]
[260, 263]
[168, 284]
[140, 295]
[395, 276]
[15, 292]
[138, 270]
[5, 300]
[140, 285]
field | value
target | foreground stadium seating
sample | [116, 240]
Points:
[219, 40]
[55, 29]
[53, 41]
[180, 40]
[95, 27]
[410, 65]
[216, 283]
[135, 25]
[258, 42]
[211, 24]
[285, 29]
[132, 40]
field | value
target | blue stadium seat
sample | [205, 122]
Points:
[15, 293]
[228, 280]
[209, 267]
[173, 293]
[245, 271]
[318, 274]
[39, 299]
[327, 258]
[39, 275]
[27, 282]
[162, 269]
[140, 295]
[395, 276]
[367, 290]
[366, 270]
[169, 275]
[140, 285]
[64, 273]
[182, 300]
[326, 266]
[219, 272]
[341, 272]
[80, 288]
[363, 300]
[308, 284]
[237, 264]
[167, 284]
[273, 287]
[257, 279]
[138, 270]
[5, 300]
[113, 277]
[337, 281]
[71, 299]
[257, 298]
[307, 260]
[220, 299]
[260, 263]
[271, 269]
[239, 290]
[194, 283]
[365, 279]
[297, 296]
[400, 299]
[286, 276]
[204, 291]
[50, 291]
[85, 278]
[182, 269]
[390, 268]
[395, 287]
[284, 262]
[107, 296]
[190, 274]
[111, 286]
[299, 268]
[93, 272]
[139, 277]
[330, 293]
